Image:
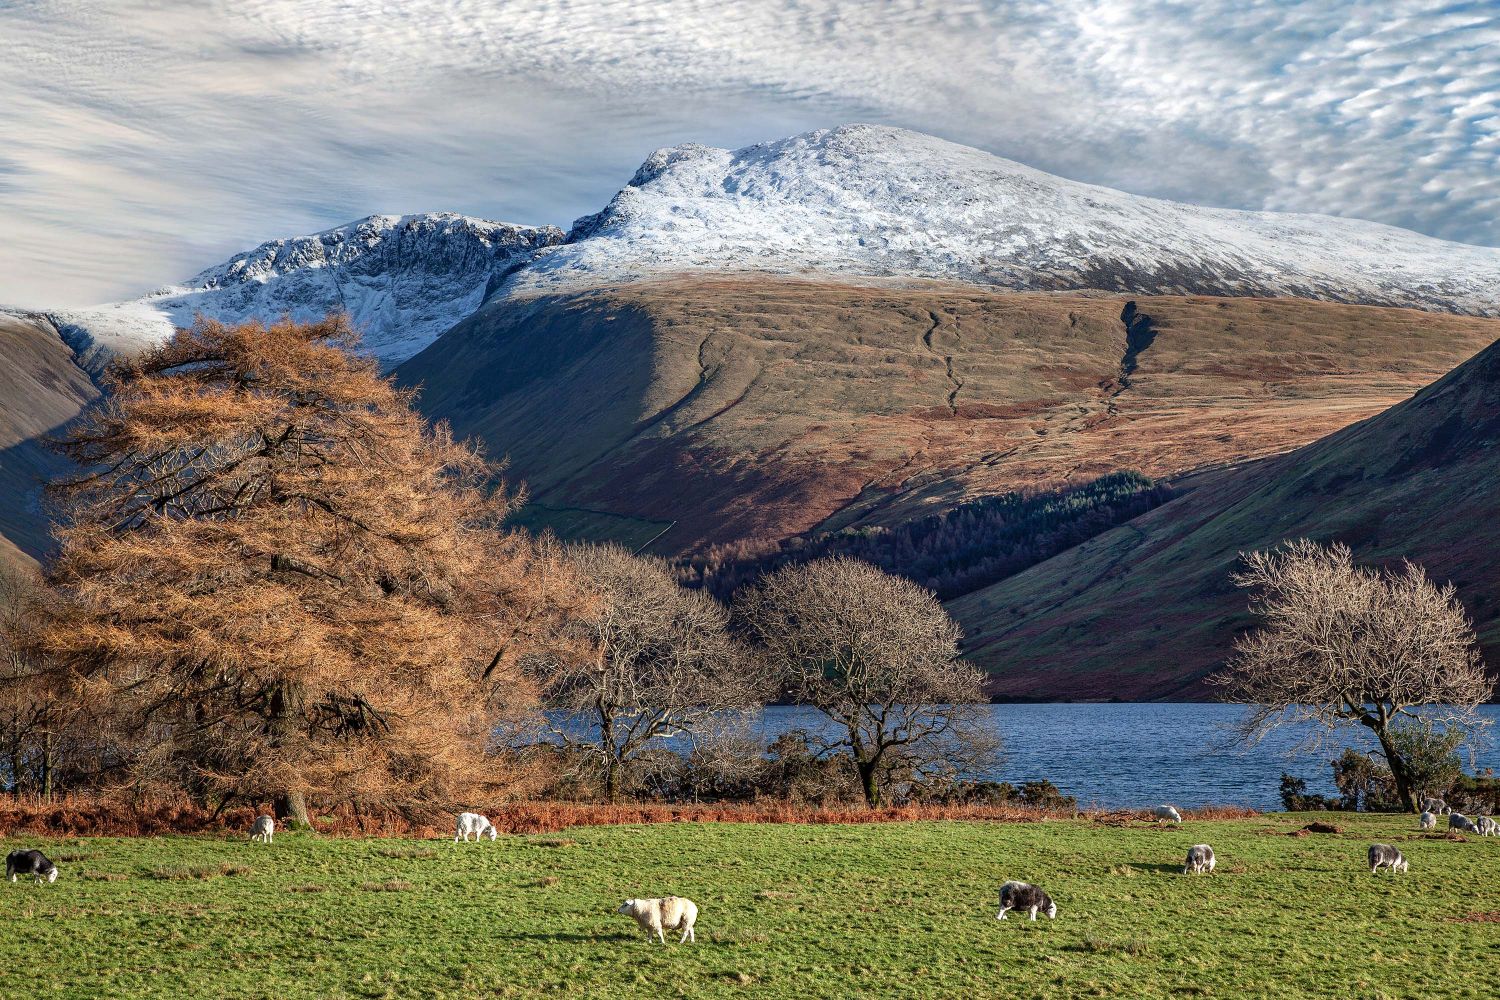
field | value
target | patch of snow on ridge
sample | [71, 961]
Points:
[878, 201]
[404, 280]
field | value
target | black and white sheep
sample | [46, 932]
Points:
[1486, 826]
[1166, 814]
[263, 829]
[33, 863]
[655, 916]
[1200, 859]
[473, 825]
[1386, 856]
[1427, 821]
[1458, 821]
[1434, 805]
[1020, 896]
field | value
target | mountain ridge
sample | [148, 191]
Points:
[887, 202]
[857, 202]
[404, 280]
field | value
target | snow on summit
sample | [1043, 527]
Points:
[878, 201]
[402, 279]
[860, 200]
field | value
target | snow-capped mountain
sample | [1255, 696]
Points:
[855, 201]
[877, 201]
[402, 279]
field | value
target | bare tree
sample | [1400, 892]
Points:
[878, 656]
[1344, 645]
[655, 661]
[32, 714]
[276, 581]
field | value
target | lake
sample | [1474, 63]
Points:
[1130, 755]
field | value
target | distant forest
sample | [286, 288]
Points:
[975, 544]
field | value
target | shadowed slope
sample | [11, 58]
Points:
[41, 388]
[1146, 610]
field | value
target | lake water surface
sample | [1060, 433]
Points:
[1126, 755]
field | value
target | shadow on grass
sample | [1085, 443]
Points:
[567, 936]
[1132, 868]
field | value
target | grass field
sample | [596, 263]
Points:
[888, 910]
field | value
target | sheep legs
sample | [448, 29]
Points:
[1001, 914]
[1033, 914]
[688, 935]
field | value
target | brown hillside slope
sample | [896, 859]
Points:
[1146, 610]
[41, 388]
[725, 408]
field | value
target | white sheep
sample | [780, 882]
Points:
[1458, 821]
[1386, 856]
[1486, 826]
[1427, 821]
[473, 825]
[1020, 896]
[1166, 814]
[1200, 859]
[668, 912]
[1434, 805]
[263, 829]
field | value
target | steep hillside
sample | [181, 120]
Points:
[41, 388]
[1146, 610]
[402, 279]
[870, 200]
[694, 411]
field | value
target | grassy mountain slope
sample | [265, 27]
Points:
[1146, 610]
[41, 388]
[702, 410]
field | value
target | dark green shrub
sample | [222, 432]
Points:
[1296, 798]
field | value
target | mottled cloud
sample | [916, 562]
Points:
[140, 141]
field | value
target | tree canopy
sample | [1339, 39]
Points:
[277, 580]
[1342, 644]
[879, 657]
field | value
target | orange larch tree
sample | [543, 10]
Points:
[279, 583]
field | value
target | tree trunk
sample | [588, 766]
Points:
[290, 809]
[611, 780]
[612, 762]
[15, 766]
[47, 754]
[867, 779]
[289, 805]
[1396, 763]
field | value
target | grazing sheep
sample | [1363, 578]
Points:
[668, 912]
[1434, 805]
[1486, 827]
[263, 829]
[1386, 856]
[1458, 821]
[1427, 821]
[1024, 896]
[32, 863]
[1166, 814]
[473, 825]
[1200, 858]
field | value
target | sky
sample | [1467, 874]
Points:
[144, 140]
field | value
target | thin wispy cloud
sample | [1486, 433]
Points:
[140, 142]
